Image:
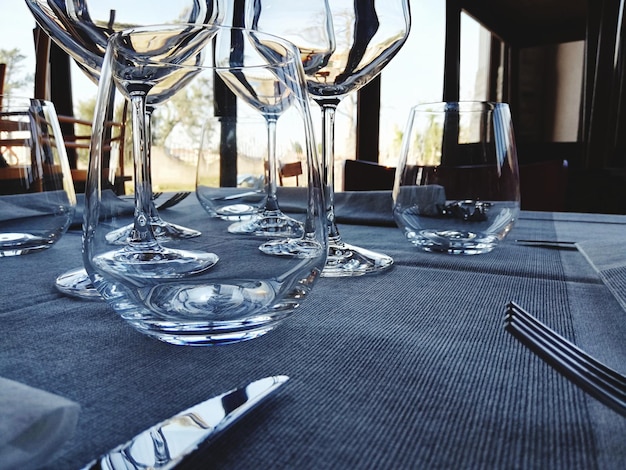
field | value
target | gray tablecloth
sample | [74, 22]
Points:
[408, 369]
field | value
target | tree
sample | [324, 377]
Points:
[16, 78]
[187, 107]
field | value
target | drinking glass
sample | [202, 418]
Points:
[268, 92]
[37, 200]
[82, 29]
[143, 84]
[245, 293]
[457, 185]
[343, 45]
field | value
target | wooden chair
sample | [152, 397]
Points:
[543, 185]
[290, 170]
[116, 134]
[21, 171]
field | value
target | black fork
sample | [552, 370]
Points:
[595, 378]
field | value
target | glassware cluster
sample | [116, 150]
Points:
[216, 287]
[219, 281]
[82, 29]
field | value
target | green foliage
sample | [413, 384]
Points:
[429, 144]
[189, 107]
[16, 80]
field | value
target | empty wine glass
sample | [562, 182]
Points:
[235, 190]
[128, 64]
[268, 92]
[343, 45]
[246, 293]
[82, 29]
[231, 173]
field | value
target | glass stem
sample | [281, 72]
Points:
[329, 109]
[148, 163]
[272, 167]
[142, 231]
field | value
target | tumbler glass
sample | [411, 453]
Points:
[37, 200]
[457, 185]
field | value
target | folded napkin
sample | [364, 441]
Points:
[33, 425]
[351, 207]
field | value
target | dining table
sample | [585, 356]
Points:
[408, 368]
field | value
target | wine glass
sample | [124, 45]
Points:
[82, 29]
[343, 45]
[457, 183]
[131, 53]
[246, 293]
[265, 90]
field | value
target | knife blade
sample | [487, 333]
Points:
[164, 445]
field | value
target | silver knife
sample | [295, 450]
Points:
[164, 445]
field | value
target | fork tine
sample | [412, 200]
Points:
[172, 201]
[589, 378]
[518, 312]
[600, 393]
[564, 357]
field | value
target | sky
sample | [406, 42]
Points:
[415, 75]
[16, 26]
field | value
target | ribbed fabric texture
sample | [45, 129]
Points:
[408, 369]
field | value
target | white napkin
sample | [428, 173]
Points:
[33, 425]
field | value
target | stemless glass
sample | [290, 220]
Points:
[457, 185]
[343, 45]
[246, 293]
[37, 200]
[82, 29]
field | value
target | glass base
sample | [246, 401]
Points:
[14, 244]
[202, 337]
[163, 232]
[203, 314]
[454, 242]
[347, 260]
[148, 261]
[236, 212]
[76, 283]
[269, 224]
[293, 247]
